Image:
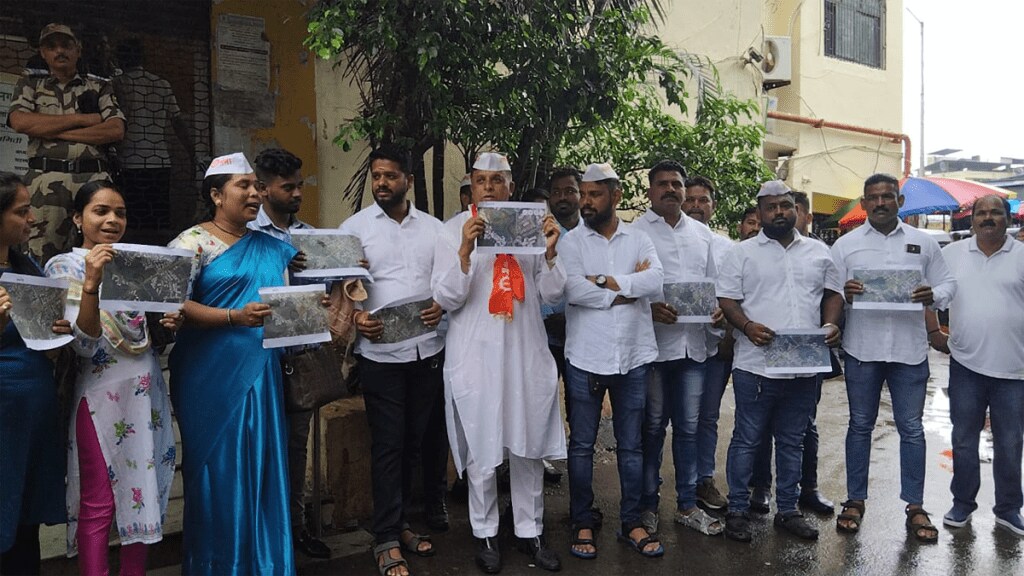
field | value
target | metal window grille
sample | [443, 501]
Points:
[159, 177]
[855, 31]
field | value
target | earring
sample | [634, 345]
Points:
[79, 228]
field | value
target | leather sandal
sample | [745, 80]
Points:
[385, 563]
[925, 526]
[854, 519]
[641, 544]
[413, 543]
[577, 541]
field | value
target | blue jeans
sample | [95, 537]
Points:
[673, 393]
[627, 392]
[715, 380]
[970, 394]
[763, 405]
[908, 386]
[762, 477]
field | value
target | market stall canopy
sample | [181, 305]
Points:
[929, 195]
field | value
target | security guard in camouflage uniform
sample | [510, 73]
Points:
[68, 120]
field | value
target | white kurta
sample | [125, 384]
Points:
[501, 384]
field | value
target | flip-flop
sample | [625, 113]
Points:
[640, 545]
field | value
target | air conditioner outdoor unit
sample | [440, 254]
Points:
[777, 65]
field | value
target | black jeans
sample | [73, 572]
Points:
[298, 437]
[401, 402]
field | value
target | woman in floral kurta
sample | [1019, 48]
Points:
[120, 386]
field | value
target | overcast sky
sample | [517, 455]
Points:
[974, 77]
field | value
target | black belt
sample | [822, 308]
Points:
[68, 166]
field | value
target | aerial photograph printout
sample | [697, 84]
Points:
[694, 300]
[36, 303]
[797, 351]
[329, 254]
[888, 288]
[512, 228]
[402, 323]
[146, 278]
[297, 316]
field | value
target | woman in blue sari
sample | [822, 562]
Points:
[31, 449]
[226, 389]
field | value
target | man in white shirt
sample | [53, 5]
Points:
[280, 186]
[676, 380]
[888, 346]
[986, 371]
[699, 204]
[761, 481]
[402, 385]
[612, 272]
[777, 280]
[501, 386]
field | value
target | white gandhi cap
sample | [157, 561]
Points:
[492, 162]
[229, 164]
[773, 188]
[599, 172]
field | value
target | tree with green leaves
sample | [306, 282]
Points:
[723, 144]
[508, 75]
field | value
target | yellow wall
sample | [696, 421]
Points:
[721, 31]
[337, 101]
[292, 81]
[830, 161]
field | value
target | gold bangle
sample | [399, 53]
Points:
[229, 317]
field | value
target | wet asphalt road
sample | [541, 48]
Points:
[882, 547]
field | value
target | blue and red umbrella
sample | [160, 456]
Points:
[929, 195]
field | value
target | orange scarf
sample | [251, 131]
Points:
[508, 285]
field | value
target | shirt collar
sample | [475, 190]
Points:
[899, 229]
[763, 238]
[377, 212]
[1006, 247]
[263, 221]
[622, 228]
[77, 79]
[652, 216]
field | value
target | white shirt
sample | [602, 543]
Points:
[891, 335]
[401, 257]
[778, 287]
[685, 250]
[720, 245]
[601, 338]
[501, 384]
[986, 318]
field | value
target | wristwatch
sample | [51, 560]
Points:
[601, 281]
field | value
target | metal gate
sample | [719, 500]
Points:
[157, 54]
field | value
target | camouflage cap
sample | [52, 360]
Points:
[54, 28]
